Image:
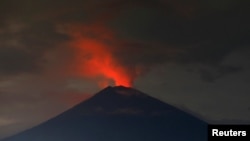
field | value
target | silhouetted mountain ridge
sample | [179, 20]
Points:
[119, 114]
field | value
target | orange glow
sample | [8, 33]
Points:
[94, 60]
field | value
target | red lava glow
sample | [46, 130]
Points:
[95, 61]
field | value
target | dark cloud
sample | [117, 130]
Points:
[151, 32]
[23, 46]
[214, 31]
[16, 60]
[215, 28]
[210, 75]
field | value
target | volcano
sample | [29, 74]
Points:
[119, 114]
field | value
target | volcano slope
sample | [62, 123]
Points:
[119, 114]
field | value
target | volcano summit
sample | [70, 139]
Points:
[119, 114]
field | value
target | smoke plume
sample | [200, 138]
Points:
[94, 56]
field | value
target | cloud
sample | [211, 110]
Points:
[161, 31]
[205, 39]
[212, 74]
[23, 46]
[15, 61]
[4, 121]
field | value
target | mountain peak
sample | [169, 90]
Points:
[120, 100]
[121, 90]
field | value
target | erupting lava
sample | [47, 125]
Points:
[95, 61]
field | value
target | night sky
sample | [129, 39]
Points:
[193, 54]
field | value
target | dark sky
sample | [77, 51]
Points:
[193, 54]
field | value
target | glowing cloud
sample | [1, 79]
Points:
[94, 58]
